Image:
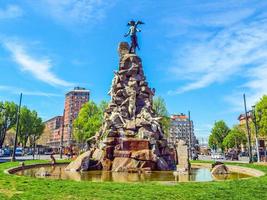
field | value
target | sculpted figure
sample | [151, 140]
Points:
[116, 115]
[132, 107]
[132, 32]
[115, 81]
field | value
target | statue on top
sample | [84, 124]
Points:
[132, 32]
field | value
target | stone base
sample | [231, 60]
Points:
[133, 144]
[132, 165]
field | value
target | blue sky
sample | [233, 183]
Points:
[199, 55]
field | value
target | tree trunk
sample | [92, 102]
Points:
[2, 137]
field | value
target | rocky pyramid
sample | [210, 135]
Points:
[131, 137]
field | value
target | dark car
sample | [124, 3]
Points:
[231, 155]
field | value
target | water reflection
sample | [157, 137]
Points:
[197, 174]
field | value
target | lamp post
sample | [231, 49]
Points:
[17, 130]
[190, 139]
[62, 136]
[248, 130]
[254, 119]
[2, 108]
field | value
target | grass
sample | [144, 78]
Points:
[18, 187]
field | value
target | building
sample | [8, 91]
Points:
[242, 122]
[242, 118]
[74, 100]
[53, 129]
[181, 129]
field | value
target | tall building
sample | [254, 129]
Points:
[74, 100]
[181, 128]
[53, 130]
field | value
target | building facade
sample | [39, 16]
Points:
[53, 128]
[242, 122]
[182, 129]
[74, 100]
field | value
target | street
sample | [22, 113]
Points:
[30, 157]
[241, 159]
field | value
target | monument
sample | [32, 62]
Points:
[131, 138]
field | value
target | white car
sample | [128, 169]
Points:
[217, 156]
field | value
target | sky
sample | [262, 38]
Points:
[199, 55]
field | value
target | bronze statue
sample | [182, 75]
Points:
[132, 32]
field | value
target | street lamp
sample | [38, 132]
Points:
[254, 119]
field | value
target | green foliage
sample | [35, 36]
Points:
[261, 115]
[160, 110]
[218, 133]
[235, 138]
[102, 106]
[88, 121]
[213, 143]
[31, 126]
[7, 118]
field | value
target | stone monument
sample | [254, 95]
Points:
[131, 138]
[183, 157]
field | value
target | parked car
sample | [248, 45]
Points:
[217, 156]
[195, 156]
[5, 152]
[48, 151]
[243, 154]
[231, 155]
[19, 151]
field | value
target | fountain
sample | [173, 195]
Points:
[131, 138]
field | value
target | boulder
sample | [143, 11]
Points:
[124, 164]
[220, 169]
[144, 155]
[82, 162]
[162, 164]
[106, 164]
[97, 154]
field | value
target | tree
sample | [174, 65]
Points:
[7, 118]
[31, 126]
[26, 123]
[213, 144]
[235, 138]
[261, 115]
[218, 133]
[160, 110]
[88, 122]
[102, 106]
[37, 128]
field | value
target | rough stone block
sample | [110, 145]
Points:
[134, 144]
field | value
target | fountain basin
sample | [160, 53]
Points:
[200, 173]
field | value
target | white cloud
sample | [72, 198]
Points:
[11, 11]
[15, 90]
[238, 50]
[74, 11]
[40, 68]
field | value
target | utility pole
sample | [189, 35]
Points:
[256, 133]
[190, 139]
[248, 130]
[62, 136]
[17, 130]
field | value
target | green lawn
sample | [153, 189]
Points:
[16, 187]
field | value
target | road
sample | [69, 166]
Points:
[241, 159]
[57, 157]
[30, 157]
